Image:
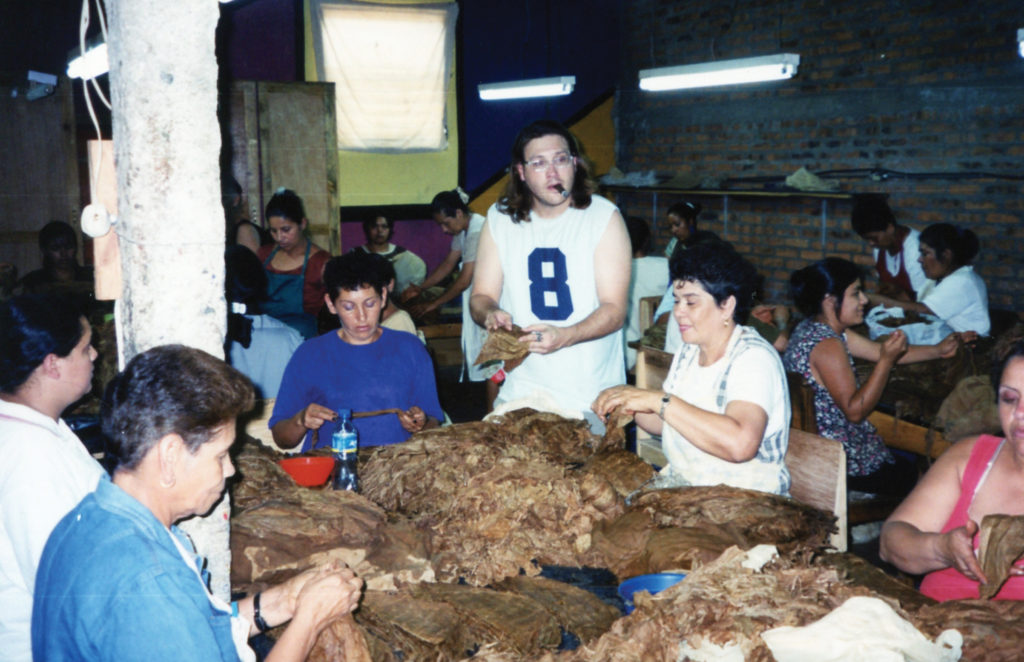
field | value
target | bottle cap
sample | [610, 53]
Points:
[344, 413]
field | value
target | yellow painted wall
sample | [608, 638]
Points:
[596, 133]
[392, 179]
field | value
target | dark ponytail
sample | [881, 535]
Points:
[809, 286]
[446, 203]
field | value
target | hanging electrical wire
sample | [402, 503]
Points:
[101, 15]
[83, 28]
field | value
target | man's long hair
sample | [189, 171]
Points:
[518, 198]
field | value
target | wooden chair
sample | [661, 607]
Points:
[801, 400]
[651, 369]
[859, 511]
[817, 467]
[646, 310]
[444, 342]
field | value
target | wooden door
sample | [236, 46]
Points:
[284, 134]
[38, 174]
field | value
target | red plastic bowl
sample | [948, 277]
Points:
[308, 471]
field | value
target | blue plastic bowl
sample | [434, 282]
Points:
[650, 583]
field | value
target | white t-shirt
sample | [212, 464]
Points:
[472, 333]
[410, 269]
[549, 278]
[402, 321]
[263, 361]
[960, 300]
[648, 278]
[44, 472]
[750, 371]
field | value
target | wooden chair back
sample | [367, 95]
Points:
[817, 467]
[646, 308]
[801, 399]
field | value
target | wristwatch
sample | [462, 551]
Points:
[665, 399]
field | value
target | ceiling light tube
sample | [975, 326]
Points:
[723, 72]
[525, 89]
[1020, 41]
[94, 63]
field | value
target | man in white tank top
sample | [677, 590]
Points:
[555, 259]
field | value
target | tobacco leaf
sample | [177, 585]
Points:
[504, 345]
[1001, 543]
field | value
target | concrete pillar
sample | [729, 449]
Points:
[163, 80]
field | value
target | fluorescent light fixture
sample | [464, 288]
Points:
[1020, 41]
[94, 63]
[524, 89]
[723, 72]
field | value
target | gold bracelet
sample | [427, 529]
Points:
[665, 399]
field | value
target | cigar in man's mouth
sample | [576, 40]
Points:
[561, 191]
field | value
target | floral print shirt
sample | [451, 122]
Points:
[865, 450]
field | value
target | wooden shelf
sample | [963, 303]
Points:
[738, 193]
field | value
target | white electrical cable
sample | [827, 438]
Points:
[96, 219]
[83, 27]
[103, 31]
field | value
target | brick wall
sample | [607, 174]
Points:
[915, 86]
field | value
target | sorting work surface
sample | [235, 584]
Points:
[573, 609]
[509, 619]
[677, 528]
[503, 497]
[452, 522]
[725, 606]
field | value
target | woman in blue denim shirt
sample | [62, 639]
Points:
[117, 581]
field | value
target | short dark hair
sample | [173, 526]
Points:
[384, 268]
[1007, 348]
[961, 243]
[171, 389]
[639, 234]
[55, 230]
[870, 213]
[286, 204]
[354, 270]
[686, 210]
[446, 203]
[811, 284]
[33, 326]
[518, 199]
[721, 271]
[370, 223]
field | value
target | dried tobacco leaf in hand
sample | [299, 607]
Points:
[615, 429]
[1001, 543]
[504, 345]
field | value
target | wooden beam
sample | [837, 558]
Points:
[908, 436]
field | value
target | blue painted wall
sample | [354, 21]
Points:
[501, 40]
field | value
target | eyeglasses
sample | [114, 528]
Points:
[560, 161]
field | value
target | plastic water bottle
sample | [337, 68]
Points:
[345, 444]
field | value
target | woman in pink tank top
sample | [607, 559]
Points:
[934, 530]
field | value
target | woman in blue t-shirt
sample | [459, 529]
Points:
[361, 366]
